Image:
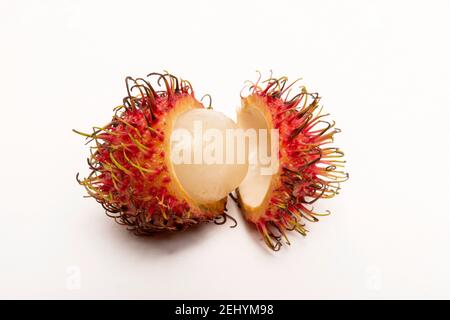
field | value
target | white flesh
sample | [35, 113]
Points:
[205, 182]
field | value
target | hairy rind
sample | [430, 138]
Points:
[309, 168]
[130, 174]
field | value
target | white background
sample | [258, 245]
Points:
[382, 68]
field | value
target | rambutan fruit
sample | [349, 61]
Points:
[133, 175]
[308, 167]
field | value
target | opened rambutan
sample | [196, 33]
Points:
[132, 173]
[308, 168]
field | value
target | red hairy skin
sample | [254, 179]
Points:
[310, 169]
[129, 175]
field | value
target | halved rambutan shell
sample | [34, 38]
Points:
[309, 168]
[132, 174]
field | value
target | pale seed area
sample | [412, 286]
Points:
[198, 153]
